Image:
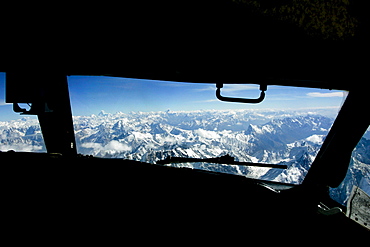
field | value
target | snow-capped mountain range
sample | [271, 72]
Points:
[249, 136]
[275, 137]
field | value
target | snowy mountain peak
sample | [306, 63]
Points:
[102, 113]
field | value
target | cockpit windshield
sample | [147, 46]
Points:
[157, 121]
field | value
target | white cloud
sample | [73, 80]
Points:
[92, 145]
[21, 147]
[207, 88]
[325, 95]
[317, 139]
[206, 101]
[111, 147]
[117, 146]
[229, 87]
[207, 134]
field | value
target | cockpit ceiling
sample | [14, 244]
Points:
[310, 70]
[191, 41]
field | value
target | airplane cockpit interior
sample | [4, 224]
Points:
[186, 122]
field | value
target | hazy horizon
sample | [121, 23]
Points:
[91, 94]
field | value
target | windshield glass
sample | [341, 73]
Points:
[150, 121]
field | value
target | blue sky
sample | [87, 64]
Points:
[89, 95]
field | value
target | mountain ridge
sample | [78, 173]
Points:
[276, 137]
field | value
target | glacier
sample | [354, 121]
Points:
[292, 138]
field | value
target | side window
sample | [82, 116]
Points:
[18, 133]
[358, 174]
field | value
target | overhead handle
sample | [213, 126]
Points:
[263, 88]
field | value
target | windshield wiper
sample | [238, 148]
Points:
[226, 160]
